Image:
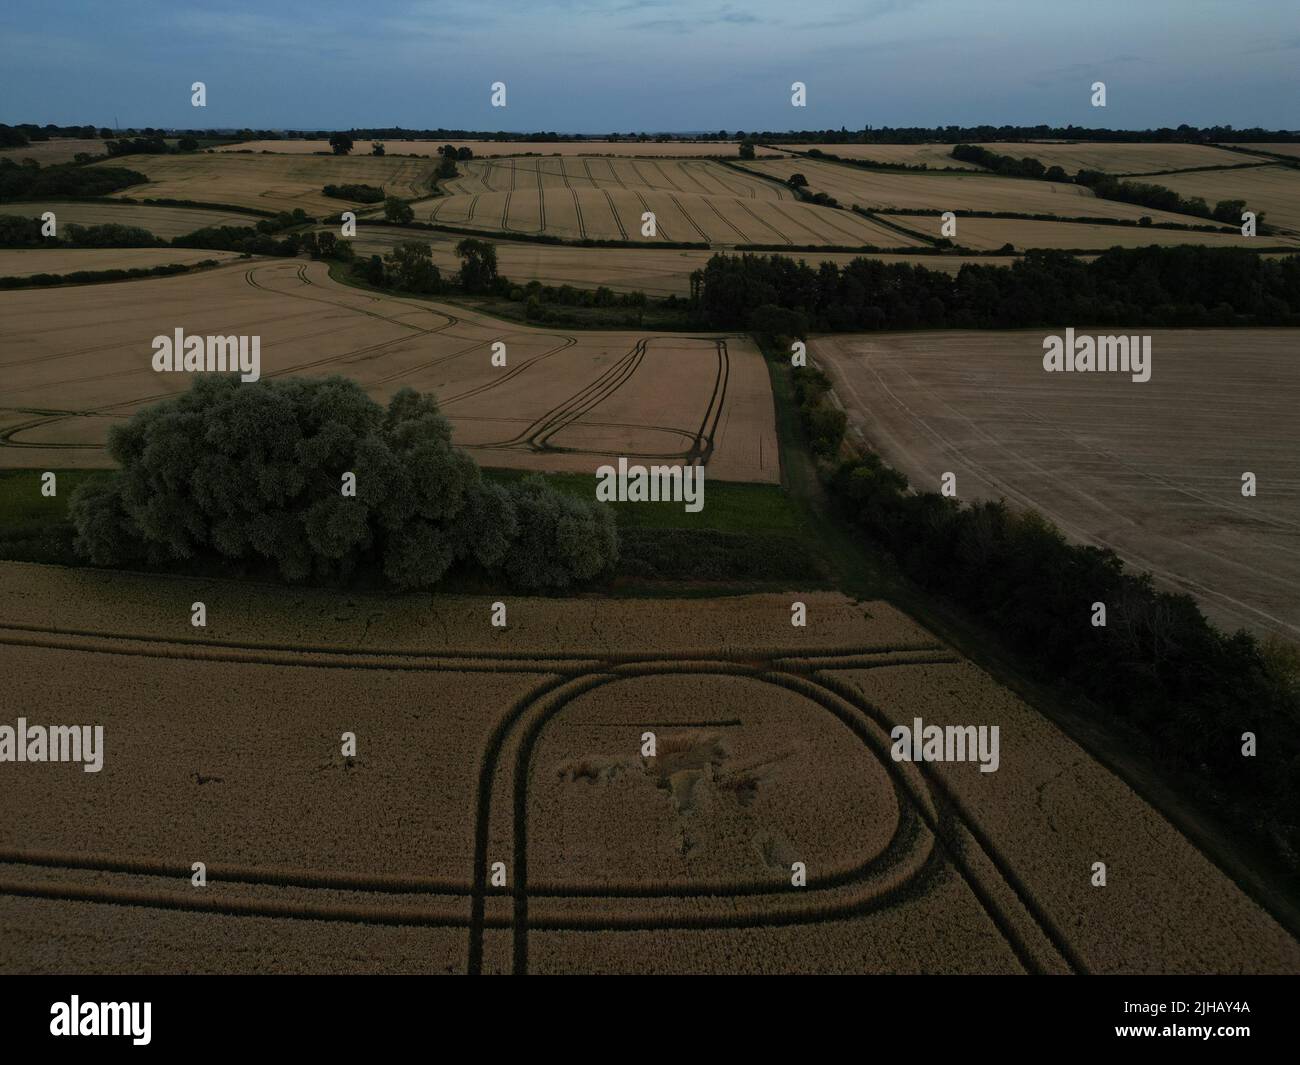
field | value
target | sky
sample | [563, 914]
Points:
[600, 66]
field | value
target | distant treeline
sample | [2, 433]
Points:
[86, 277]
[1157, 664]
[1107, 186]
[1153, 286]
[951, 134]
[19, 182]
[22, 232]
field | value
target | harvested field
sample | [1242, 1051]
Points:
[28, 261]
[683, 176]
[1150, 469]
[605, 214]
[75, 363]
[654, 271]
[989, 234]
[56, 150]
[523, 745]
[1274, 189]
[165, 222]
[931, 155]
[273, 182]
[954, 192]
[1117, 158]
[679, 150]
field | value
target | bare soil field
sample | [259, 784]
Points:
[165, 222]
[649, 149]
[954, 192]
[56, 150]
[27, 261]
[1152, 470]
[616, 214]
[1274, 189]
[75, 362]
[523, 746]
[273, 182]
[989, 234]
[654, 271]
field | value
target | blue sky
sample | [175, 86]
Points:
[593, 67]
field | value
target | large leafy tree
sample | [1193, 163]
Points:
[255, 473]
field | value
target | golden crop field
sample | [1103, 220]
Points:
[272, 182]
[954, 192]
[1273, 189]
[1024, 233]
[616, 214]
[1117, 158]
[76, 361]
[649, 149]
[478, 745]
[685, 176]
[654, 271]
[165, 222]
[27, 261]
[1152, 470]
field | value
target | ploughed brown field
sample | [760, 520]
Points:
[1152, 470]
[478, 745]
[75, 361]
[674, 150]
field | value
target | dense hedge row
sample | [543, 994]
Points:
[1153, 286]
[1157, 663]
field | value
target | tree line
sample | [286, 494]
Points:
[1183, 285]
[1157, 664]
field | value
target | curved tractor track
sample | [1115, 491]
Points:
[537, 436]
[932, 837]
